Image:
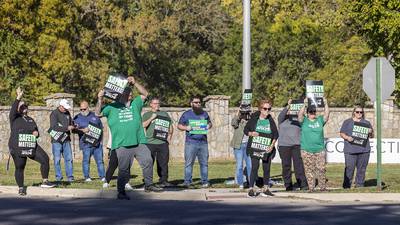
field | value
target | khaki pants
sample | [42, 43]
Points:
[314, 168]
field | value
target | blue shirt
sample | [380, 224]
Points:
[82, 122]
[190, 115]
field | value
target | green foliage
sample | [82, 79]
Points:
[182, 48]
[379, 23]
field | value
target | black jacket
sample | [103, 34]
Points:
[59, 122]
[252, 124]
[19, 124]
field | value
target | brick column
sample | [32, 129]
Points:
[219, 136]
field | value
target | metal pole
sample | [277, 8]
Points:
[246, 81]
[378, 125]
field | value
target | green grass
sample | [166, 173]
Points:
[219, 172]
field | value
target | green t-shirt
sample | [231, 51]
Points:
[263, 126]
[125, 123]
[150, 128]
[312, 135]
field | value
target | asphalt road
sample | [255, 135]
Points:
[29, 210]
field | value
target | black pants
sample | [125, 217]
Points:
[160, 153]
[112, 165]
[20, 163]
[353, 161]
[289, 154]
[255, 164]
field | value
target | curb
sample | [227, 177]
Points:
[201, 195]
[103, 194]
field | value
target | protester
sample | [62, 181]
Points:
[128, 138]
[113, 164]
[356, 132]
[312, 145]
[89, 145]
[23, 144]
[289, 149]
[196, 122]
[159, 132]
[263, 134]
[60, 130]
[239, 144]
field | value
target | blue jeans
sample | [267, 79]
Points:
[63, 149]
[97, 153]
[191, 151]
[240, 155]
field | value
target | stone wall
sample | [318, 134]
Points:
[219, 136]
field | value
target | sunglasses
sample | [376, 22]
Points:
[359, 112]
[83, 110]
[267, 109]
[312, 112]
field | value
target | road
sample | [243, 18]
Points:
[34, 210]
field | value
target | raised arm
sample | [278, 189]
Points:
[142, 91]
[302, 111]
[14, 107]
[282, 115]
[235, 122]
[99, 103]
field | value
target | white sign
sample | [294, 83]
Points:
[387, 78]
[334, 150]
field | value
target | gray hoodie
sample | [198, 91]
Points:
[289, 131]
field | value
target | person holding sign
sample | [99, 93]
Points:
[196, 122]
[23, 144]
[128, 137]
[158, 125]
[312, 145]
[60, 130]
[239, 144]
[356, 132]
[289, 145]
[263, 134]
[90, 131]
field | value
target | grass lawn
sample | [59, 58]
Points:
[219, 172]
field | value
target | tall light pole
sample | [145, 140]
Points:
[246, 80]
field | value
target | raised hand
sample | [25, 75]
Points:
[131, 80]
[20, 92]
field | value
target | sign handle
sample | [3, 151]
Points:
[378, 126]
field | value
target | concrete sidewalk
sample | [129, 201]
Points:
[204, 195]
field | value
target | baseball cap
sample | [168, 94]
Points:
[64, 103]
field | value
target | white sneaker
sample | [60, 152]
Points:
[88, 179]
[103, 179]
[205, 185]
[106, 185]
[241, 186]
[128, 187]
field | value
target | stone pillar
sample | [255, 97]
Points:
[389, 116]
[52, 101]
[219, 136]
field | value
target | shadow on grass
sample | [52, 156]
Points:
[374, 183]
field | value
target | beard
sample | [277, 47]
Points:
[85, 113]
[197, 110]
